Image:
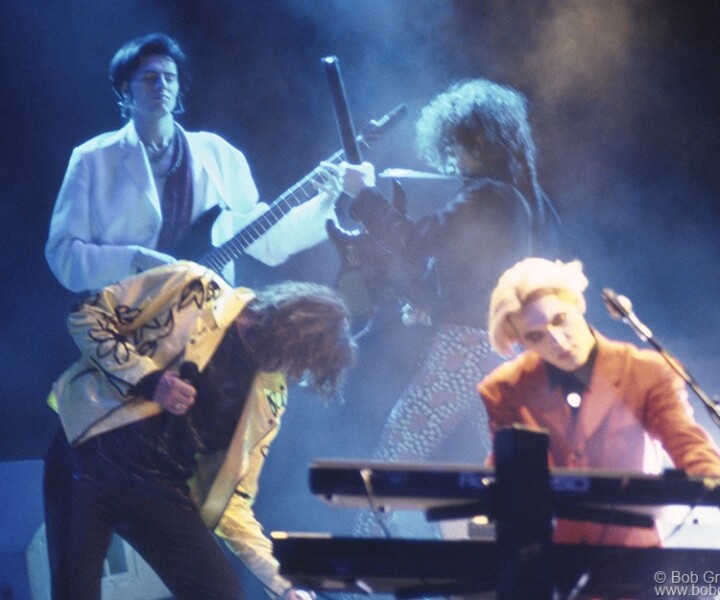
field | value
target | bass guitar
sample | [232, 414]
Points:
[196, 244]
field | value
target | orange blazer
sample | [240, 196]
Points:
[634, 400]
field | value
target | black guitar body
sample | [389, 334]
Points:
[361, 279]
[370, 275]
[197, 241]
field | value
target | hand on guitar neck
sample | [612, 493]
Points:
[346, 178]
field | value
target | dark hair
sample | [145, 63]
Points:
[128, 58]
[478, 107]
[499, 114]
[301, 328]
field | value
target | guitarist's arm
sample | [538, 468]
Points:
[99, 232]
[385, 224]
[394, 248]
[302, 228]
[234, 190]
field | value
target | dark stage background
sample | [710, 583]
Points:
[625, 98]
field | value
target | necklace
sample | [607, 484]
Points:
[157, 153]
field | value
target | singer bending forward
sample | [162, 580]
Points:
[604, 403]
[164, 461]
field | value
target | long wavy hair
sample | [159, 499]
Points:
[489, 120]
[302, 329]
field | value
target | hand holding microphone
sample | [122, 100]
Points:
[175, 391]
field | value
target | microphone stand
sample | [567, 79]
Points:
[621, 307]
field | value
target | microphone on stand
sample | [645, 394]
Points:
[620, 308]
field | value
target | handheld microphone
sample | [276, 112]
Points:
[189, 372]
[620, 308]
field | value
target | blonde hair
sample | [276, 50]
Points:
[524, 282]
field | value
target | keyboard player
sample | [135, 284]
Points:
[606, 404]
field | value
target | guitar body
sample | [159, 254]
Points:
[359, 278]
[370, 275]
[197, 242]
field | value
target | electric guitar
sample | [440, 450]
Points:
[370, 275]
[196, 244]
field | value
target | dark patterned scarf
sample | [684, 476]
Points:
[177, 200]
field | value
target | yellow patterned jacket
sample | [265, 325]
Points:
[157, 320]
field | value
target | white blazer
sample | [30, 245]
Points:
[107, 216]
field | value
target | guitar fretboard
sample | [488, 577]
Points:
[298, 194]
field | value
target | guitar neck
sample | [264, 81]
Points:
[298, 194]
[235, 247]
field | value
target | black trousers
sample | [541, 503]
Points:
[83, 511]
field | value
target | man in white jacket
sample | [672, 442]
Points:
[129, 197]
